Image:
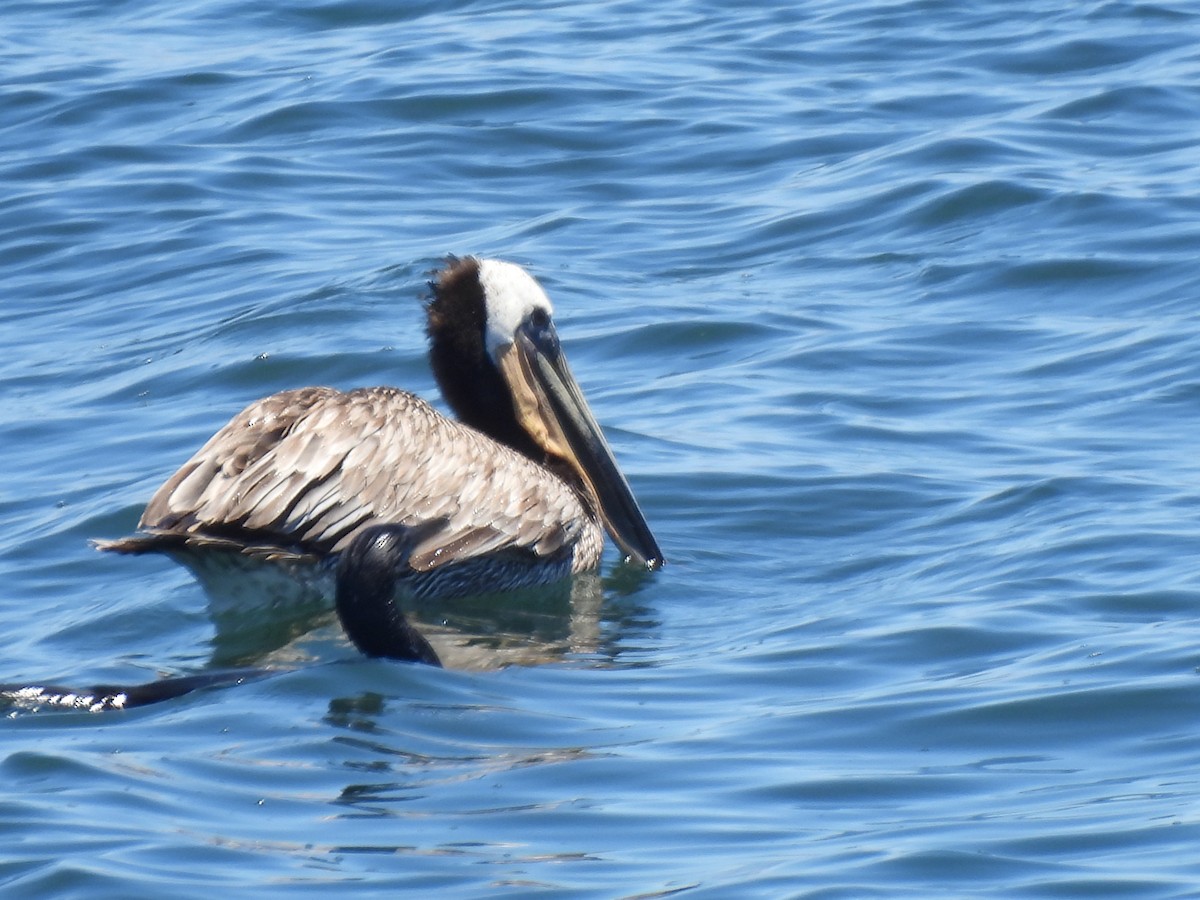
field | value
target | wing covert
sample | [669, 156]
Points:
[307, 469]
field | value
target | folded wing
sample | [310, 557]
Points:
[303, 471]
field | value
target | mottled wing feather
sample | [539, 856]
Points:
[307, 469]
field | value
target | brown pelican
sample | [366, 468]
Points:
[516, 493]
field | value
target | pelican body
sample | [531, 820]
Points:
[517, 492]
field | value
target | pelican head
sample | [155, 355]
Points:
[497, 359]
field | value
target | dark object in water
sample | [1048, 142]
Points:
[367, 573]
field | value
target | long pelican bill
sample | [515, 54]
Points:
[550, 406]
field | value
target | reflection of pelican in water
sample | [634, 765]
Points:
[366, 576]
[516, 494]
[365, 599]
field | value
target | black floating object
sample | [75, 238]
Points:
[367, 573]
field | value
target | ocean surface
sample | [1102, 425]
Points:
[891, 311]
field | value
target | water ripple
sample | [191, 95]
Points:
[888, 310]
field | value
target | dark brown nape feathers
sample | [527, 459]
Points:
[469, 380]
[457, 314]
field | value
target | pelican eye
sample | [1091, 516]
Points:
[539, 327]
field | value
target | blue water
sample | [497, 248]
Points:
[890, 310]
